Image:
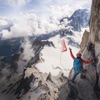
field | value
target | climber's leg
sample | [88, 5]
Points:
[74, 76]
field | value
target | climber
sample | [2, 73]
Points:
[78, 64]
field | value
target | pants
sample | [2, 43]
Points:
[75, 74]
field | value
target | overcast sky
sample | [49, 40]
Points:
[40, 7]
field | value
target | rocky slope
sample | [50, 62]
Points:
[20, 79]
[88, 88]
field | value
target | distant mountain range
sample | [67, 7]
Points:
[78, 20]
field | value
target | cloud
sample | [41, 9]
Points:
[44, 22]
[28, 50]
[82, 4]
[22, 26]
[60, 11]
[3, 22]
[39, 6]
[26, 56]
[72, 3]
[15, 3]
[29, 24]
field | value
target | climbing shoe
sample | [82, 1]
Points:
[82, 76]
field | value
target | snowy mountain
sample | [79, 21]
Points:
[78, 20]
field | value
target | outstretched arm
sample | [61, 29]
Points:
[87, 62]
[72, 54]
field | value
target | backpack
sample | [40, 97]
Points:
[78, 65]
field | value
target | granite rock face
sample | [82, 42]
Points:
[95, 21]
[91, 47]
[84, 40]
[93, 40]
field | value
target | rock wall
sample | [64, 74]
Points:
[90, 47]
[88, 88]
[95, 21]
[84, 40]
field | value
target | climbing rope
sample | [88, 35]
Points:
[62, 64]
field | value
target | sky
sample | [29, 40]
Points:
[39, 7]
